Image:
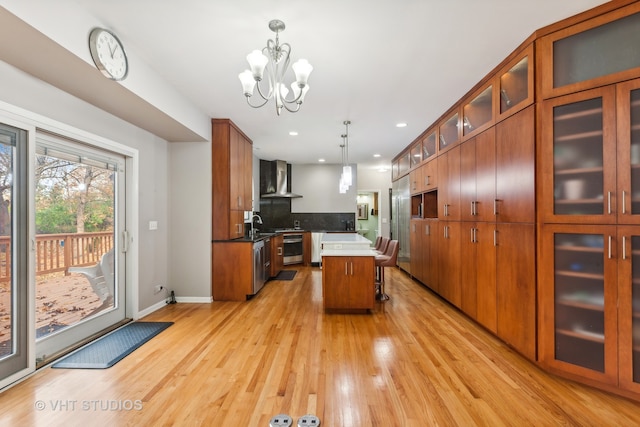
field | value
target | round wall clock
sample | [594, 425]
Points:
[108, 54]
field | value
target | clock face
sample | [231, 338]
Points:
[108, 54]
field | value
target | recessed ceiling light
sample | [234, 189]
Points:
[293, 133]
[401, 125]
[376, 155]
[321, 160]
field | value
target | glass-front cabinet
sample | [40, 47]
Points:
[449, 132]
[429, 146]
[416, 155]
[628, 151]
[579, 158]
[578, 300]
[591, 156]
[590, 302]
[629, 302]
[592, 53]
[477, 114]
[515, 84]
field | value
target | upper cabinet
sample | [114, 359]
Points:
[231, 173]
[449, 131]
[590, 54]
[477, 113]
[591, 154]
[429, 146]
[514, 83]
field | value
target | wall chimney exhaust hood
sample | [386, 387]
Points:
[274, 180]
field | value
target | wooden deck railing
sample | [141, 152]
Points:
[58, 252]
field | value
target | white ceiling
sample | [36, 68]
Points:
[376, 63]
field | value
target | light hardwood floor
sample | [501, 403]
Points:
[414, 361]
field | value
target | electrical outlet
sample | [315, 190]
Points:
[281, 420]
[308, 420]
[158, 289]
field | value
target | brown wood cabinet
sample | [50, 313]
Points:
[516, 286]
[449, 185]
[449, 240]
[478, 177]
[277, 254]
[538, 204]
[348, 282]
[231, 172]
[232, 270]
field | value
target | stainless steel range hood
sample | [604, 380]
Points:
[274, 180]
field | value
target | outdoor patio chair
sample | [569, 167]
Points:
[100, 276]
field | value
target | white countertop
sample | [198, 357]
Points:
[344, 238]
[348, 252]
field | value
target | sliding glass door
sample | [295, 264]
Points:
[79, 249]
[14, 254]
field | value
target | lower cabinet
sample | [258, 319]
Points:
[277, 254]
[348, 282]
[485, 269]
[516, 286]
[590, 303]
[231, 271]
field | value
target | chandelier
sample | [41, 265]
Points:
[275, 58]
[346, 177]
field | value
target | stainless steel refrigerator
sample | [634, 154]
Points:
[400, 221]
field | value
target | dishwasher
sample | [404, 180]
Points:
[258, 266]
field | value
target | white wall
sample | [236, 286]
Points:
[190, 214]
[318, 186]
[155, 251]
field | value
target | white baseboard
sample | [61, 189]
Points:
[195, 300]
[160, 304]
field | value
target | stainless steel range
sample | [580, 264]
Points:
[293, 249]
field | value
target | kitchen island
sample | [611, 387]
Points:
[348, 272]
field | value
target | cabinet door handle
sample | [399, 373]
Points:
[427, 230]
[471, 230]
[495, 206]
[426, 180]
[351, 267]
[609, 203]
[609, 247]
[495, 237]
[624, 202]
[346, 270]
[446, 231]
[475, 235]
[624, 247]
[472, 208]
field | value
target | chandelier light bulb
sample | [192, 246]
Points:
[257, 62]
[302, 69]
[248, 82]
[273, 60]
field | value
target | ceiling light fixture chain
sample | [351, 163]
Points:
[275, 58]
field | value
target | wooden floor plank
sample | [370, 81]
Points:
[414, 361]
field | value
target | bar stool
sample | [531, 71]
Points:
[382, 248]
[377, 243]
[388, 259]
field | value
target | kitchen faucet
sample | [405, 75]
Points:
[253, 232]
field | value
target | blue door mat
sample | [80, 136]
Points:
[110, 349]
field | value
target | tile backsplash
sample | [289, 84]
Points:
[276, 213]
